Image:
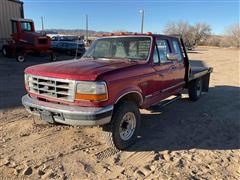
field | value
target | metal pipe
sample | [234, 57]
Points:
[142, 23]
[42, 23]
[87, 29]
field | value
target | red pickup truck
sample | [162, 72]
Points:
[118, 75]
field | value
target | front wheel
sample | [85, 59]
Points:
[123, 130]
[5, 51]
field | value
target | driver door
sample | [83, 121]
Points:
[165, 69]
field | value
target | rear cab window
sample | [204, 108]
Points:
[177, 49]
[161, 50]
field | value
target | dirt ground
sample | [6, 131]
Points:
[185, 140]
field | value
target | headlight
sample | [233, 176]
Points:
[26, 79]
[92, 91]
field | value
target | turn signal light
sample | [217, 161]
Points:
[91, 97]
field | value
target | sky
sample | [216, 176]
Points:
[116, 15]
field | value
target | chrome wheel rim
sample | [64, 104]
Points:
[127, 126]
[20, 58]
[199, 88]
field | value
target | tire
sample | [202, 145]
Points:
[53, 57]
[5, 51]
[20, 58]
[122, 133]
[195, 89]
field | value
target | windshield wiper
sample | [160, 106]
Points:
[132, 60]
[93, 57]
[117, 58]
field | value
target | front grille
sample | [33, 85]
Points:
[52, 87]
[43, 41]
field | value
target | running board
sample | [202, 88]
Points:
[164, 103]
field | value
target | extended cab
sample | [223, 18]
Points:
[118, 75]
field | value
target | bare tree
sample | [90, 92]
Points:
[181, 28]
[232, 34]
[192, 35]
[213, 40]
[200, 32]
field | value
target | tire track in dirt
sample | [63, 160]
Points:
[106, 153]
[4, 120]
[136, 158]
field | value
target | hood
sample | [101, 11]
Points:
[82, 69]
[30, 33]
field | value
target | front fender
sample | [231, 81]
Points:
[129, 90]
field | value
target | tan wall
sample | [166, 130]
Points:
[8, 9]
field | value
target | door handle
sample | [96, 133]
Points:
[173, 68]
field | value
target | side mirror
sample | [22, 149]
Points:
[172, 56]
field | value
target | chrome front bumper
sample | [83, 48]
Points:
[66, 114]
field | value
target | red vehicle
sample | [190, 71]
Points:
[118, 75]
[26, 41]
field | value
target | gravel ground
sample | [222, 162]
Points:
[185, 140]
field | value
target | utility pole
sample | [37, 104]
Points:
[87, 29]
[142, 23]
[42, 23]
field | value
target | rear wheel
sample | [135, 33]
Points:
[123, 130]
[53, 57]
[20, 57]
[195, 89]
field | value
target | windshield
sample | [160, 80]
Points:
[131, 48]
[26, 26]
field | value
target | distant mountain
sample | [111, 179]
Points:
[78, 32]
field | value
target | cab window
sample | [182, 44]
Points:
[163, 50]
[155, 56]
[14, 27]
[177, 50]
[26, 26]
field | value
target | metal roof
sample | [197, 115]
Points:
[16, 1]
[21, 19]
